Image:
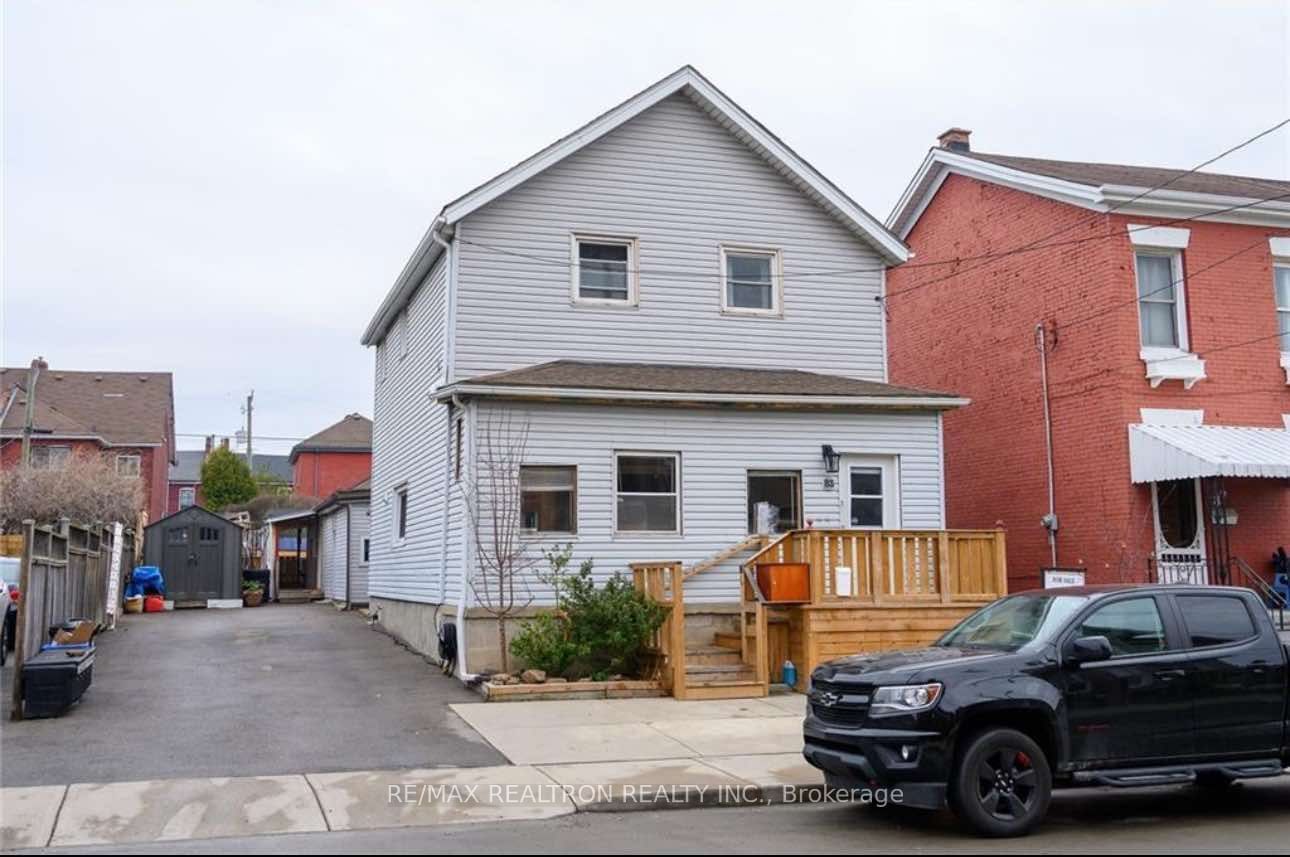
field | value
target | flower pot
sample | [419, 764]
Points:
[252, 598]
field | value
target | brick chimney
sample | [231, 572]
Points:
[955, 139]
[210, 443]
[223, 442]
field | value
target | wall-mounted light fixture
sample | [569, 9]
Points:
[831, 458]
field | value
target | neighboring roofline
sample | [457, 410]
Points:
[345, 448]
[751, 132]
[38, 435]
[291, 516]
[344, 497]
[593, 394]
[186, 509]
[1165, 202]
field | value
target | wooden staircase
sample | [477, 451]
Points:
[718, 671]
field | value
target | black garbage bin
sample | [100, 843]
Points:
[53, 680]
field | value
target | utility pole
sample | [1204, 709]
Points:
[250, 458]
[33, 375]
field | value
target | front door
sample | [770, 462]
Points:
[1137, 706]
[1180, 531]
[870, 492]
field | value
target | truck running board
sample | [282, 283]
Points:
[1180, 775]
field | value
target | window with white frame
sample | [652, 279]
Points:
[400, 513]
[367, 549]
[604, 270]
[44, 457]
[187, 497]
[648, 495]
[1161, 311]
[549, 498]
[127, 464]
[751, 281]
[865, 495]
[1281, 274]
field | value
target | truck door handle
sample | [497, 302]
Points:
[1170, 675]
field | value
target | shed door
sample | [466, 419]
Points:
[194, 561]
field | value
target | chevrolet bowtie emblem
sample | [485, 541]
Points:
[828, 698]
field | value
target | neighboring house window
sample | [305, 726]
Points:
[1281, 273]
[751, 281]
[782, 489]
[604, 270]
[1161, 310]
[400, 513]
[187, 497]
[49, 457]
[866, 500]
[648, 493]
[403, 334]
[549, 499]
[127, 465]
[367, 550]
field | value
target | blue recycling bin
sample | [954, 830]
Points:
[145, 580]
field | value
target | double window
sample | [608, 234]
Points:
[604, 270]
[648, 495]
[49, 457]
[751, 281]
[1161, 310]
[549, 498]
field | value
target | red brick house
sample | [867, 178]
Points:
[1165, 338]
[128, 416]
[333, 459]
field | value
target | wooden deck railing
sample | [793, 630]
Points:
[873, 566]
[664, 583]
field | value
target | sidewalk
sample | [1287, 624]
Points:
[569, 757]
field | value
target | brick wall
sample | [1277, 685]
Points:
[974, 334]
[319, 474]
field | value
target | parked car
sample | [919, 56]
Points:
[1112, 686]
[9, 568]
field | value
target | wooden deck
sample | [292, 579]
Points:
[869, 591]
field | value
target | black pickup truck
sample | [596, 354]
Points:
[1114, 686]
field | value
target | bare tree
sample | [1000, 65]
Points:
[86, 489]
[503, 553]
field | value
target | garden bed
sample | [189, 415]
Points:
[548, 690]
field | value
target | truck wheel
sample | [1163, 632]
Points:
[1002, 783]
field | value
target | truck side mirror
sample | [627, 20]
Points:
[1087, 650]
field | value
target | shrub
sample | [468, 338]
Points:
[596, 631]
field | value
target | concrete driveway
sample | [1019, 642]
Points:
[281, 689]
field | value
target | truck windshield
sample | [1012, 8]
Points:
[1013, 622]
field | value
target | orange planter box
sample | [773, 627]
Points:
[784, 582]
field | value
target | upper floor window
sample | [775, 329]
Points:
[1161, 311]
[751, 281]
[1281, 273]
[127, 464]
[604, 270]
[187, 497]
[49, 457]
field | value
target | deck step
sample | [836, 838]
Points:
[712, 656]
[702, 675]
[727, 640]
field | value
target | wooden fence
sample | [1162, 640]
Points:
[65, 575]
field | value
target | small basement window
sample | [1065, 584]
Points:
[548, 498]
[648, 493]
[751, 281]
[604, 270]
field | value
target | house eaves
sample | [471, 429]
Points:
[1166, 202]
[708, 97]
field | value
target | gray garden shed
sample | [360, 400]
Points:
[200, 556]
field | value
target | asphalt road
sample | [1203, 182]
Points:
[1253, 818]
[280, 689]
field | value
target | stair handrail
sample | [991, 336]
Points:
[773, 545]
[1261, 586]
[724, 554]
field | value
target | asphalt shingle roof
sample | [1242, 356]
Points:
[351, 434]
[121, 407]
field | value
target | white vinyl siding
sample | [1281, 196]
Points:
[717, 449]
[683, 186]
[331, 560]
[333, 528]
[410, 446]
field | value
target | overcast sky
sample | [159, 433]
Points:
[226, 189]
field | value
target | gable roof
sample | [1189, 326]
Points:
[697, 385]
[188, 466]
[1100, 187]
[351, 434]
[115, 408]
[359, 492]
[716, 104]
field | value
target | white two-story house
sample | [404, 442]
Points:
[682, 318]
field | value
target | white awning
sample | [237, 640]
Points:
[1161, 452]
